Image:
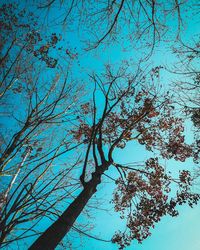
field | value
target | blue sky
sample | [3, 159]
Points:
[171, 233]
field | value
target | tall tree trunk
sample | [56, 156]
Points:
[55, 233]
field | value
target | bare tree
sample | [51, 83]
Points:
[131, 23]
[187, 88]
[40, 105]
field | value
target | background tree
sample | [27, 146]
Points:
[35, 102]
[188, 86]
[132, 24]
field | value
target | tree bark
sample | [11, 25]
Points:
[56, 232]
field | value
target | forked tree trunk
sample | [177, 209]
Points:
[56, 232]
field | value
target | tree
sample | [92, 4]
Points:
[123, 21]
[54, 122]
[35, 107]
[130, 112]
[188, 89]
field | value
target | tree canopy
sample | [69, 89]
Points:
[69, 112]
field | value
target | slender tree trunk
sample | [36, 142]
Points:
[56, 232]
[4, 158]
[28, 151]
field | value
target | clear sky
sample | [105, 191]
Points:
[181, 233]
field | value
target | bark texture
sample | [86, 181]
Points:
[56, 232]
